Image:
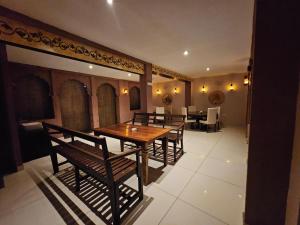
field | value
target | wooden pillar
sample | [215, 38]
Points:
[273, 108]
[188, 93]
[146, 88]
[12, 159]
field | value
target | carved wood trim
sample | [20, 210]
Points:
[18, 33]
[166, 72]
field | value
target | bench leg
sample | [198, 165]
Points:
[77, 179]
[54, 161]
[174, 149]
[139, 176]
[115, 207]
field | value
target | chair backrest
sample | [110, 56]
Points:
[212, 115]
[184, 111]
[160, 110]
[140, 118]
[192, 108]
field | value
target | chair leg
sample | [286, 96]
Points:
[140, 177]
[215, 127]
[77, 179]
[174, 149]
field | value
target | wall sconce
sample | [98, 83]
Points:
[246, 80]
[158, 91]
[125, 91]
[231, 87]
[203, 90]
[176, 91]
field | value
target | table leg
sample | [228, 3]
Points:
[122, 145]
[165, 150]
[145, 158]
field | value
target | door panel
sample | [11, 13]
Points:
[106, 105]
[74, 102]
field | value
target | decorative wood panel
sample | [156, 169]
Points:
[135, 98]
[107, 105]
[32, 99]
[74, 103]
[15, 32]
[169, 73]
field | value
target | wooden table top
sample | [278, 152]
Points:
[143, 134]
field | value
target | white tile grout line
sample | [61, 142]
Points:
[194, 173]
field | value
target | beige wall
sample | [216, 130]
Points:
[168, 88]
[233, 110]
[294, 189]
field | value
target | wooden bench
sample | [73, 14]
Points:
[96, 161]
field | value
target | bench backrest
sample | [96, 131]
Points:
[53, 130]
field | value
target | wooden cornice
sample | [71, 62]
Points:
[158, 70]
[20, 30]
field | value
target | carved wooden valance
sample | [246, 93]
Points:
[18, 33]
[163, 71]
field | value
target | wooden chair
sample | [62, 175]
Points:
[97, 162]
[211, 118]
[159, 111]
[175, 138]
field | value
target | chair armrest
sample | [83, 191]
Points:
[130, 152]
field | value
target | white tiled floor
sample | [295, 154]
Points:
[205, 187]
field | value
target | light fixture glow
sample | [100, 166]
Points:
[175, 91]
[158, 91]
[125, 91]
[207, 69]
[246, 80]
[203, 89]
[91, 66]
[186, 52]
[129, 74]
[110, 2]
[231, 87]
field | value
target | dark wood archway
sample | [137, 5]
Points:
[32, 99]
[135, 99]
[74, 103]
[107, 105]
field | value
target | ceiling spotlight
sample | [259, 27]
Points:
[186, 52]
[207, 69]
[91, 66]
[129, 74]
[110, 2]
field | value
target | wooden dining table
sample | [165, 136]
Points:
[141, 136]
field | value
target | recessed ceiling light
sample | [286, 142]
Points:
[186, 52]
[129, 74]
[91, 66]
[207, 69]
[110, 2]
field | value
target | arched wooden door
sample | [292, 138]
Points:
[32, 99]
[74, 104]
[107, 105]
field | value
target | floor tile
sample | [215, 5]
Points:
[175, 181]
[182, 213]
[157, 208]
[218, 199]
[232, 172]
[190, 161]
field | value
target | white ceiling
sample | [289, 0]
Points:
[216, 32]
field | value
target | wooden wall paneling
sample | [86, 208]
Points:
[188, 93]
[74, 103]
[107, 105]
[11, 154]
[273, 109]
